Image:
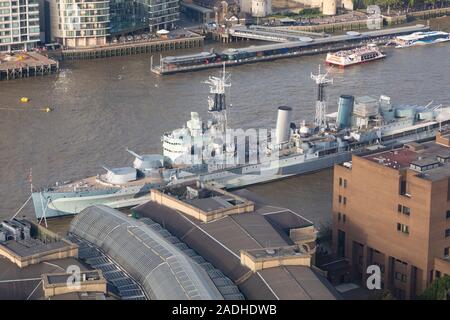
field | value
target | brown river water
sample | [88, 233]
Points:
[103, 106]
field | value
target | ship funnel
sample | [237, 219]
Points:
[345, 110]
[283, 124]
[134, 154]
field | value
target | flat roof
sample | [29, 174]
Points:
[62, 277]
[396, 159]
[345, 37]
[25, 283]
[210, 204]
[25, 248]
[424, 162]
[421, 154]
[220, 242]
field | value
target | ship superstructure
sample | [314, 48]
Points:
[211, 152]
[202, 143]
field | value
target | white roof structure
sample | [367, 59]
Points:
[162, 32]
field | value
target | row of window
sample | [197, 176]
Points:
[401, 277]
[342, 217]
[342, 199]
[403, 228]
[404, 210]
[407, 211]
[342, 182]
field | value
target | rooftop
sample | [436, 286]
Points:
[204, 203]
[25, 248]
[396, 159]
[430, 159]
[25, 283]
[163, 270]
[265, 229]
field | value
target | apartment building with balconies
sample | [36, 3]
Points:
[19, 25]
[88, 23]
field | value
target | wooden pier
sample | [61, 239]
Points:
[133, 48]
[26, 64]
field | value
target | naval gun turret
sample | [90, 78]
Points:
[147, 163]
[120, 175]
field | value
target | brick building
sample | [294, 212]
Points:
[392, 209]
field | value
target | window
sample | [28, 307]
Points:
[448, 214]
[344, 217]
[340, 182]
[339, 216]
[345, 200]
[403, 228]
[345, 183]
[404, 278]
[447, 233]
[340, 199]
[404, 210]
[446, 251]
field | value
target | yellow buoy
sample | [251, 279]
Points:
[24, 99]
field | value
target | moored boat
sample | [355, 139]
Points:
[359, 55]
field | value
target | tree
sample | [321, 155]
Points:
[438, 289]
[411, 4]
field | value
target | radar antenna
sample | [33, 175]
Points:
[321, 105]
[216, 102]
[217, 87]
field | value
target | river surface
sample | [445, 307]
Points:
[101, 107]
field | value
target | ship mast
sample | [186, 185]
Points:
[321, 105]
[217, 103]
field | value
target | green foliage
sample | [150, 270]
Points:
[310, 12]
[382, 295]
[401, 4]
[437, 290]
[304, 13]
[387, 295]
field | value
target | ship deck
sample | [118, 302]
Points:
[94, 183]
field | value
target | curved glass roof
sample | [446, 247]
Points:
[163, 270]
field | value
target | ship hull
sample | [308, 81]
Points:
[292, 166]
[421, 43]
[344, 65]
[55, 204]
[50, 204]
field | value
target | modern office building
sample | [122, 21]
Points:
[85, 23]
[19, 24]
[392, 209]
